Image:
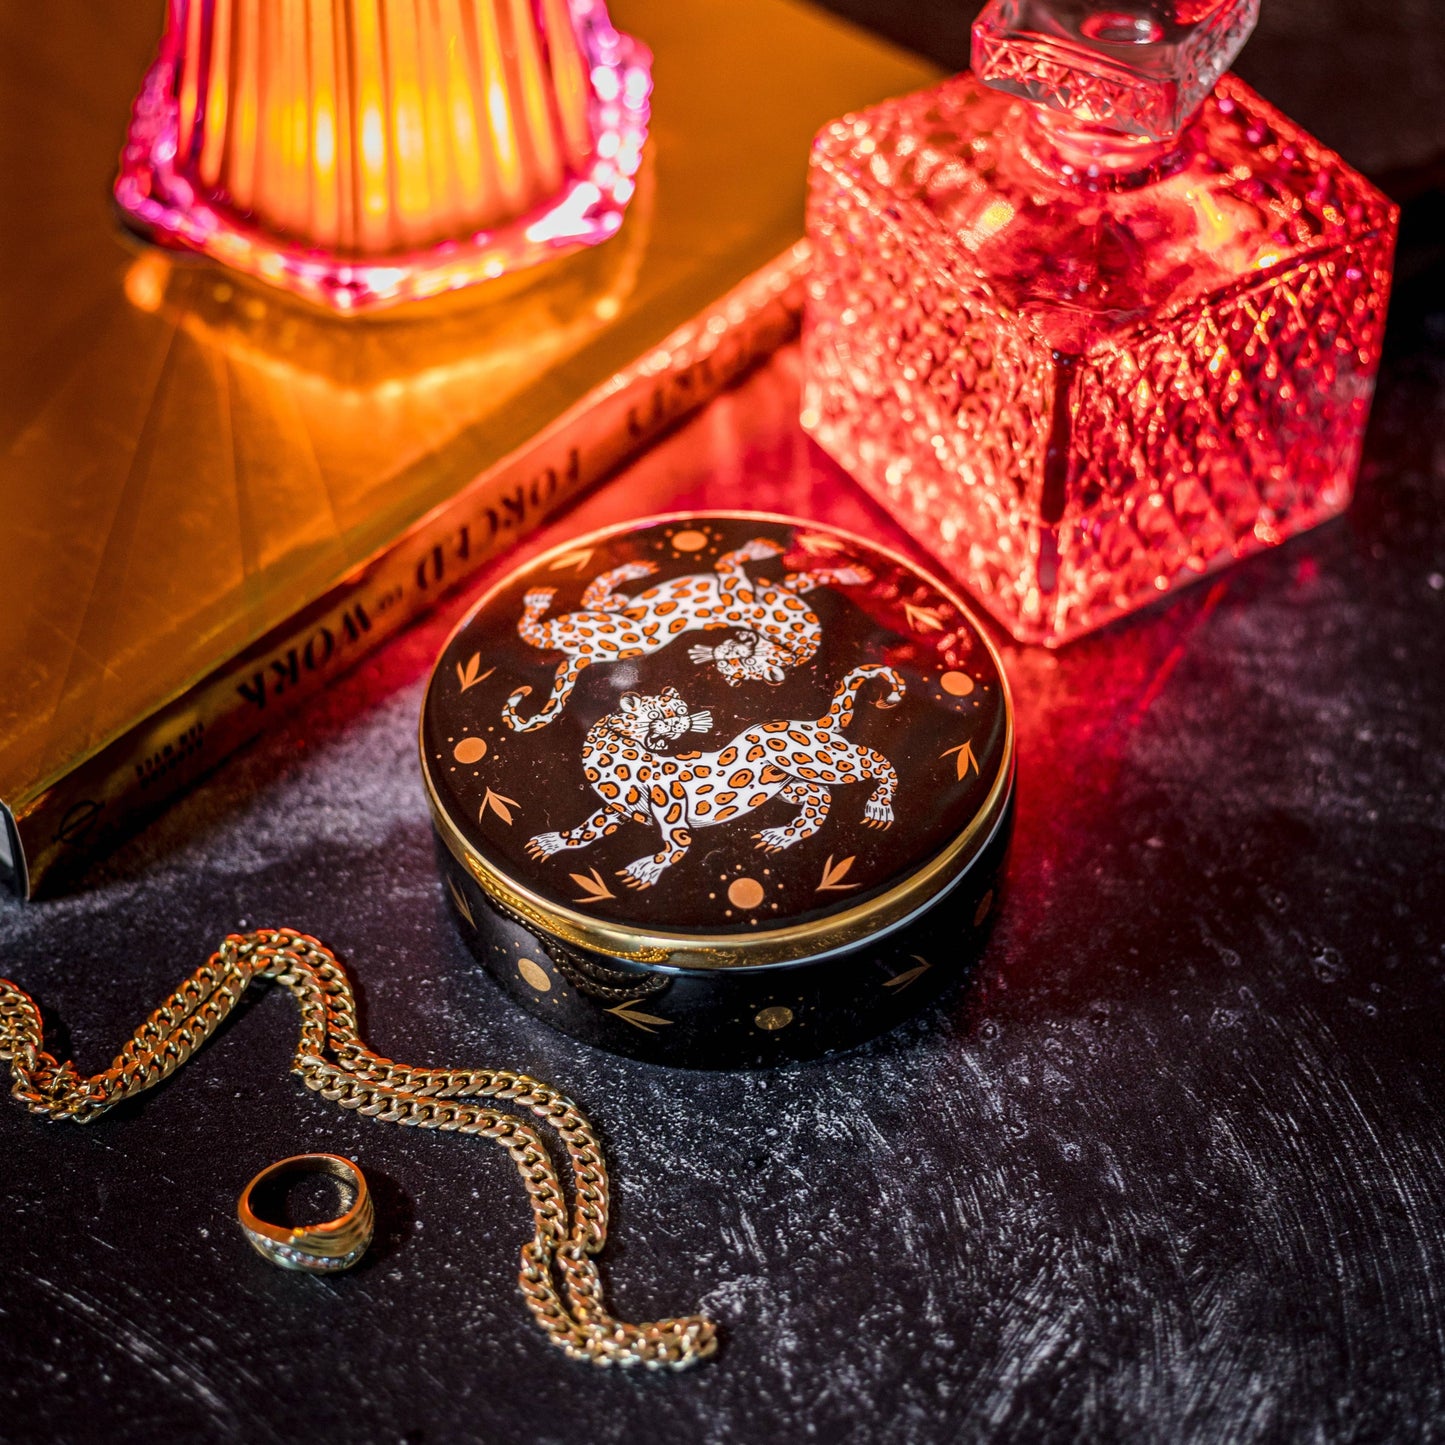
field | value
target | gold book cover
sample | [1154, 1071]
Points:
[212, 497]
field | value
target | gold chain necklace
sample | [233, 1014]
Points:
[332, 1061]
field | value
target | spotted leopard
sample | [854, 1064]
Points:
[800, 761]
[778, 630]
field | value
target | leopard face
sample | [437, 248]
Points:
[653, 721]
[749, 658]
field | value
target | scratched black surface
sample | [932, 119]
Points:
[1171, 1170]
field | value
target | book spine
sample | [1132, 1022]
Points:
[51, 837]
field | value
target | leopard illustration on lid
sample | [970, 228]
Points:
[777, 630]
[788, 728]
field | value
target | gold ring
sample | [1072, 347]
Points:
[318, 1248]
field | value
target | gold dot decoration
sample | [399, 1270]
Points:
[470, 750]
[690, 540]
[533, 973]
[956, 684]
[745, 893]
[984, 904]
[773, 1018]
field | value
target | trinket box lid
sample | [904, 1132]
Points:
[720, 740]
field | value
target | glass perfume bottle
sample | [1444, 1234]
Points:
[1088, 324]
[358, 156]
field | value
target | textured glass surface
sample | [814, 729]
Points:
[1138, 67]
[358, 155]
[1079, 397]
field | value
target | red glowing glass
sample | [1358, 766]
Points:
[360, 152]
[1089, 329]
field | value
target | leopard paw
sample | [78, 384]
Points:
[759, 548]
[852, 577]
[539, 599]
[544, 845]
[880, 815]
[774, 840]
[641, 873]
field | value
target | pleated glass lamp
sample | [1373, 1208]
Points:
[364, 152]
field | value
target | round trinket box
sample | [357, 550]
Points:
[720, 790]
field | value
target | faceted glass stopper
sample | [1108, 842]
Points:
[1132, 67]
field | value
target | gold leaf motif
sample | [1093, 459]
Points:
[575, 560]
[648, 1023]
[592, 885]
[901, 981]
[833, 875]
[459, 898]
[501, 806]
[471, 674]
[922, 619]
[966, 761]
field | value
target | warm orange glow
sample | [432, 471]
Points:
[359, 151]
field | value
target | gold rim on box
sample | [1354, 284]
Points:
[323, 1248]
[780, 945]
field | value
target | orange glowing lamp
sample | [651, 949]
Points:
[363, 152]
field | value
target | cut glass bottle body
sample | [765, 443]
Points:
[1082, 390]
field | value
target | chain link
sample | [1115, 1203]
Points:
[332, 1060]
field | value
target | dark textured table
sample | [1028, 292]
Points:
[1169, 1169]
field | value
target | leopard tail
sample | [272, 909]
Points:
[841, 712]
[567, 675]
